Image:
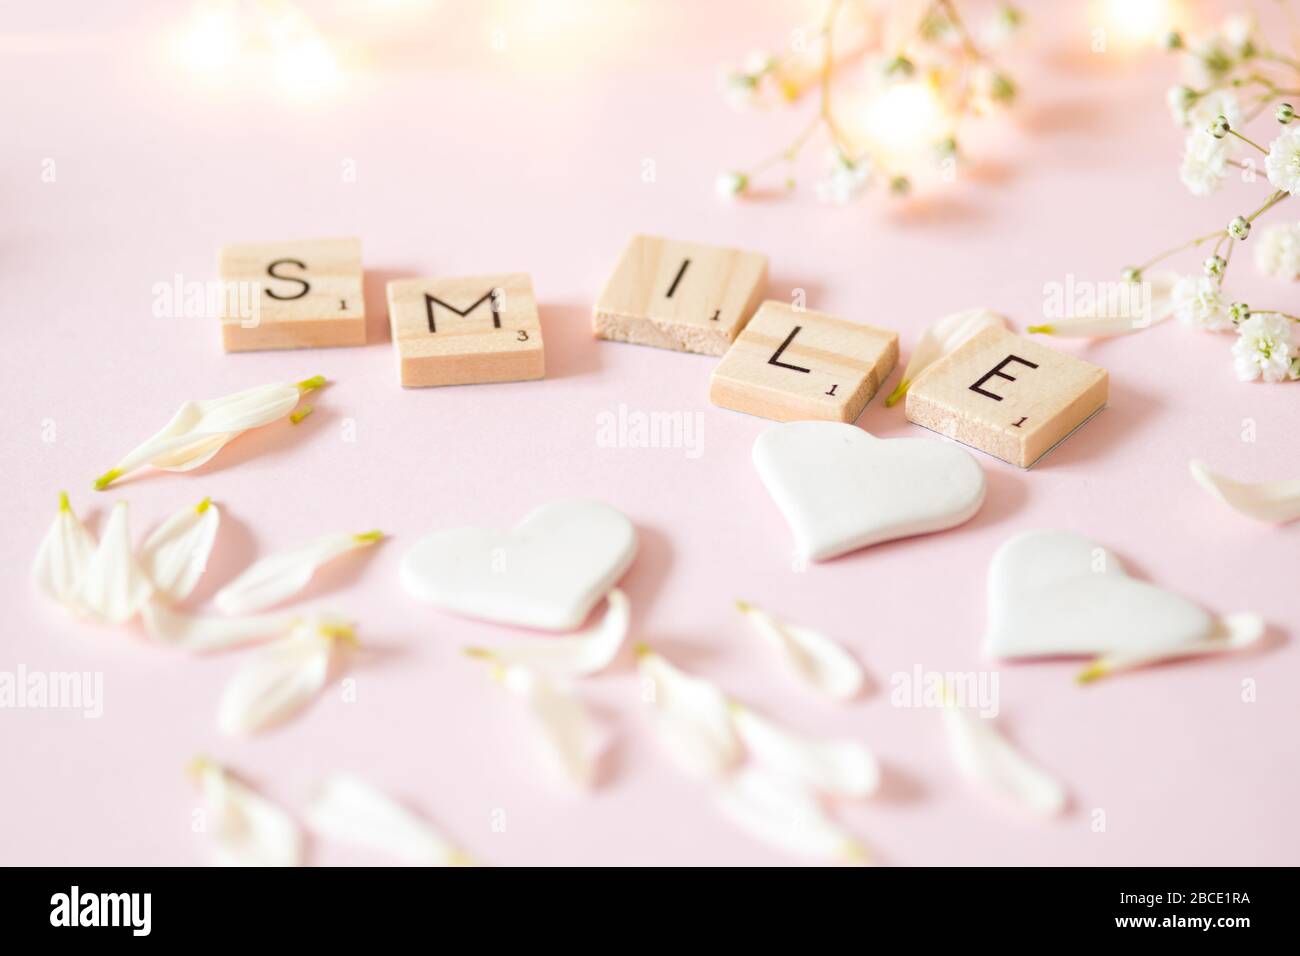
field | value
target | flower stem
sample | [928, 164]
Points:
[1247, 139]
[1273, 200]
[1179, 248]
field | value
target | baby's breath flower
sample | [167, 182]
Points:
[1239, 228]
[1283, 161]
[1214, 265]
[1266, 348]
[731, 184]
[1198, 301]
[1239, 311]
[1205, 163]
[847, 178]
[1285, 113]
[1277, 252]
[1180, 100]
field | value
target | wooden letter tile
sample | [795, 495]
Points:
[792, 365]
[307, 293]
[1008, 396]
[680, 295]
[462, 331]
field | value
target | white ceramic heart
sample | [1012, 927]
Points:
[1059, 594]
[548, 572]
[841, 488]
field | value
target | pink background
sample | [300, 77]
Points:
[470, 161]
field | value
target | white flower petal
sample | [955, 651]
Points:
[1122, 314]
[1233, 633]
[199, 429]
[114, 588]
[691, 716]
[281, 678]
[246, 829]
[817, 659]
[175, 555]
[279, 576]
[192, 455]
[841, 768]
[564, 726]
[348, 809]
[1273, 501]
[940, 339]
[202, 634]
[63, 557]
[571, 656]
[986, 758]
[787, 815]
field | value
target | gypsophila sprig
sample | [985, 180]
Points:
[1231, 77]
[892, 88]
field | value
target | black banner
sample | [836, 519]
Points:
[334, 905]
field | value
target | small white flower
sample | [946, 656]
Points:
[1266, 348]
[731, 184]
[1238, 34]
[1180, 100]
[1277, 251]
[200, 429]
[278, 576]
[1283, 161]
[281, 678]
[847, 178]
[1205, 162]
[1198, 301]
[246, 829]
[1210, 106]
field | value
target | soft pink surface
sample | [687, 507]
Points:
[470, 161]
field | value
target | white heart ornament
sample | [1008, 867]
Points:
[1059, 594]
[548, 572]
[841, 488]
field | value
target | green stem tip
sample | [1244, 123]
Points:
[368, 537]
[1092, 672]
[898, 393]
[300, 414]
[1039, 329]
[107, 478]
[313, 383]
[64, 504]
